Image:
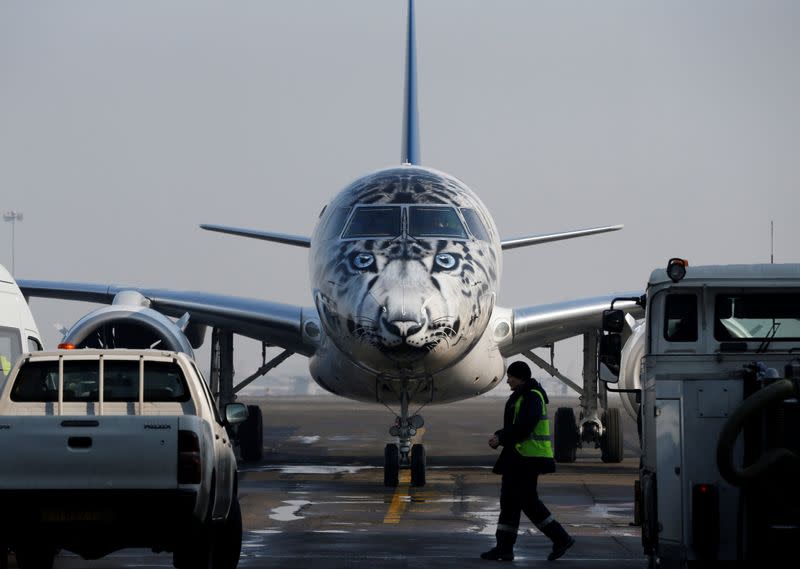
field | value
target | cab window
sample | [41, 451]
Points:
[427, 221]
[374, 222]
[10, 349]
[757, 316]
[680, 323]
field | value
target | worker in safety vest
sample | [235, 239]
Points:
[527, 453]
[5, 365]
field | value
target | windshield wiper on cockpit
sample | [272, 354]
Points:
[768, 338]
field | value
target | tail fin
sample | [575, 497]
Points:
[410, 150]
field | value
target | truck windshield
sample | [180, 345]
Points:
[37, 382]
[10, 350]
[757, 316]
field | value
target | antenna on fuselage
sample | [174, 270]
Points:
[410, 150]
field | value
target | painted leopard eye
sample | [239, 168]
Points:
[445, 260]
[363, 261]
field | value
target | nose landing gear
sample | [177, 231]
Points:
[404, 455]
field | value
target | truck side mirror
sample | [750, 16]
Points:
[610, 353]
[613, 321]
[235, 413]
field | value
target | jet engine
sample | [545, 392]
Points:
[129, 322]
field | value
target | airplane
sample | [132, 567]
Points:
[405, 266]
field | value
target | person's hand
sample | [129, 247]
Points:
[494, 442]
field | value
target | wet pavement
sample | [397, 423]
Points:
[318, 498]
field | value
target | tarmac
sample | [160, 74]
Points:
[317, 500]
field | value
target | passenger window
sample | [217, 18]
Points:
[37, 382]
[680, 324]
[374, 222]
[435, 222]
[475, 224]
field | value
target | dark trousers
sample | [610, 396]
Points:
[518, 494]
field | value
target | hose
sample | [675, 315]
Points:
[774, 393]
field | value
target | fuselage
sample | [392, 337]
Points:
[405, 264]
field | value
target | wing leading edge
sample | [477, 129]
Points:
[537, 326]
[276, 324]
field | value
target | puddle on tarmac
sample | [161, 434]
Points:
[287, 513]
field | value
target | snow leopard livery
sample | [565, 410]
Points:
[404, 247]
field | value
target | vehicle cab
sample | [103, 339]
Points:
[18, 332]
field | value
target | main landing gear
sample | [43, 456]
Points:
[404, 455]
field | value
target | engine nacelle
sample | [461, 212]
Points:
[129, 322]
[630, 367]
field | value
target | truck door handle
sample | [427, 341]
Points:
[79, 442]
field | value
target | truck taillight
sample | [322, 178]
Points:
[189, 466]
[705, 520]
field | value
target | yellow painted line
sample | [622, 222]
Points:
[399, 500]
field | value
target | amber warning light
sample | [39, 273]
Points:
[66, 346]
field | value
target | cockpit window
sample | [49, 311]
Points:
[426, 221]
[374, 222]
[10, 350]
[335, 223]
[475, 224]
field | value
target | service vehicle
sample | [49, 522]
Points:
[109, 449]
[18, 331]
[719, 413]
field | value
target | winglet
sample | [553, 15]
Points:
[410, 150]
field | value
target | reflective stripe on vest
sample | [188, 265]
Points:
[538, 443]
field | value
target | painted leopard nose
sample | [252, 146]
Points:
[403, 328]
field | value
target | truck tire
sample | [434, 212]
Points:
[611, 441]
[35, 557]
[228, 542]
[565, 435]
[251, 435]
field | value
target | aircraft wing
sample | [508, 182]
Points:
[273, 323]
[537, 326]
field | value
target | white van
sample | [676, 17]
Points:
[18, 331]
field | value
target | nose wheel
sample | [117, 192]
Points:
[403, 454]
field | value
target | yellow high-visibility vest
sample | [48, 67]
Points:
[538, 443]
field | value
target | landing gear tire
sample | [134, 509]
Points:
[418, 465]
[251, 435]
[611, 441]
[565, 435]
[391, 465]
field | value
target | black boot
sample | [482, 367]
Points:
[560, 538]
[504, 550]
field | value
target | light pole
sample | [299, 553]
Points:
[13, 217]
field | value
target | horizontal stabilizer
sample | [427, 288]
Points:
[548, 237]
[296, 240]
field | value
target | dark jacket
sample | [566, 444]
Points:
[510, 460]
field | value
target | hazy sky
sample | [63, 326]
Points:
[123, 125]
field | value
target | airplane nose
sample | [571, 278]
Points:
[403, 328]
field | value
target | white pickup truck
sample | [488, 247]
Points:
[108, 449]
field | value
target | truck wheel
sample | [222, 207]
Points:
[565, 435]
[32, 557]
[251, 435]
[228, 543]
[611, 441]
